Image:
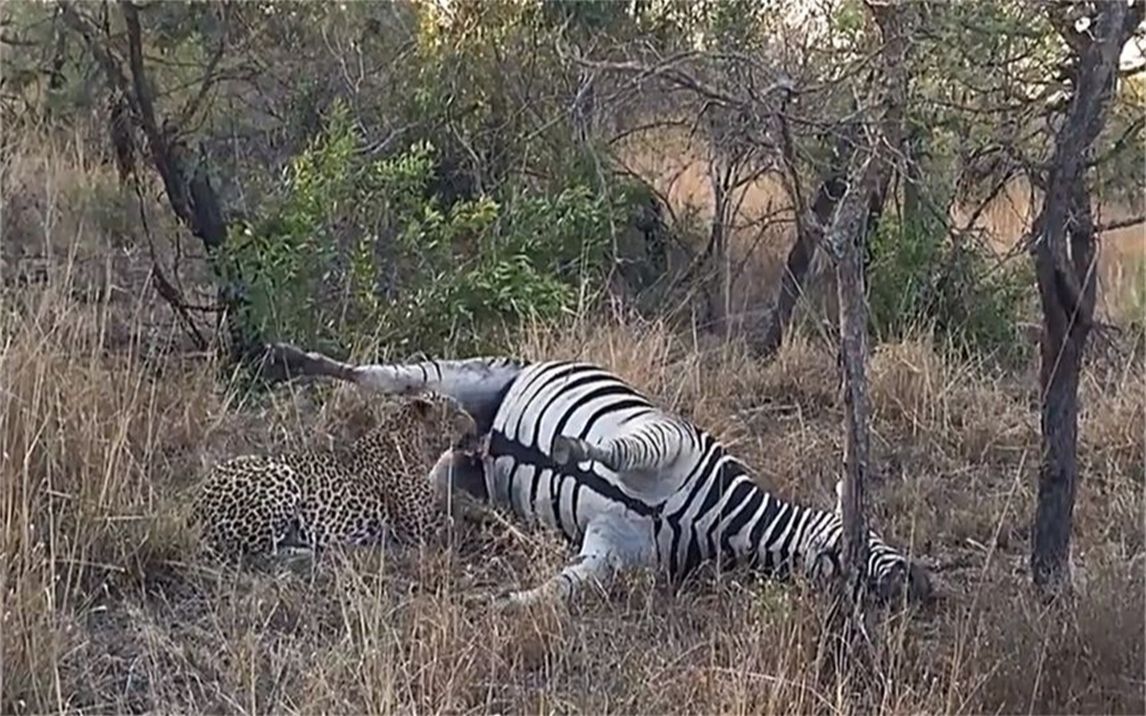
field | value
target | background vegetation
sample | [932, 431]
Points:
[615, 181]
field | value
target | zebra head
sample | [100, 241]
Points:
[891, 576]
[906, 580]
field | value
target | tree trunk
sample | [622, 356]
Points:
[185, 179]
[722, 173]
[1065, 330]
[1064, 261]
[844, 240]
[859, 209]
[808, 234]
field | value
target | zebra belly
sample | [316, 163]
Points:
[532, 490]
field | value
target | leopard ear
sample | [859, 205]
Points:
[421, 406]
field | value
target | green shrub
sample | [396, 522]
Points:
[918, 277]
[358, 250]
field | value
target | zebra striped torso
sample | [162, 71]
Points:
[707, 506]
[562, 398]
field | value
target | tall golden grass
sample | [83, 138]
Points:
[105, 422]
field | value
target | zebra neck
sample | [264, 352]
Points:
[786, 534]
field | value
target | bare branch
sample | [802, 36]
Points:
[986, 203]
[1120, 224]
[135, 62]
[16, 42]
[110, 66]
[647, 127]
[209, 76]
[159, 279]
[670, 69]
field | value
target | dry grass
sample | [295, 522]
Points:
[105, 421]
[103, 610]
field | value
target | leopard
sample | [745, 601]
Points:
[388, 486]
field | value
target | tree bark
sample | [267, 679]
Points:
[721, 174]
[809, 231]
[844, 240]
[1064, 261]
[1065, 329]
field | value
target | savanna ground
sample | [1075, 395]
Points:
[107, 419]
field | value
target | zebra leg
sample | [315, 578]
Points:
[477, 384]
[652, 446]
[390, 379]
[611, 544]
[299, 362]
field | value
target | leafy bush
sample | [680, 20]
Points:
[919, 278]
[354, 249]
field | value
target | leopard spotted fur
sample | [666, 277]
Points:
[379, 487]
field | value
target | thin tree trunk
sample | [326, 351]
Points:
[1065, 330]
[855, 217]
[844, 240]
[809, 230]
[1064, 262]
[808, 235]
[185, 180]
[722, 175]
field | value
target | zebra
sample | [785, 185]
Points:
[576, 448]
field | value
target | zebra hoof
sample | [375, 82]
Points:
[281, 361]
[478, 600]
[525, 600]
[504, 603]
[919, 586]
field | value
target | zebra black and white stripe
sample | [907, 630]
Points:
[578, 449]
